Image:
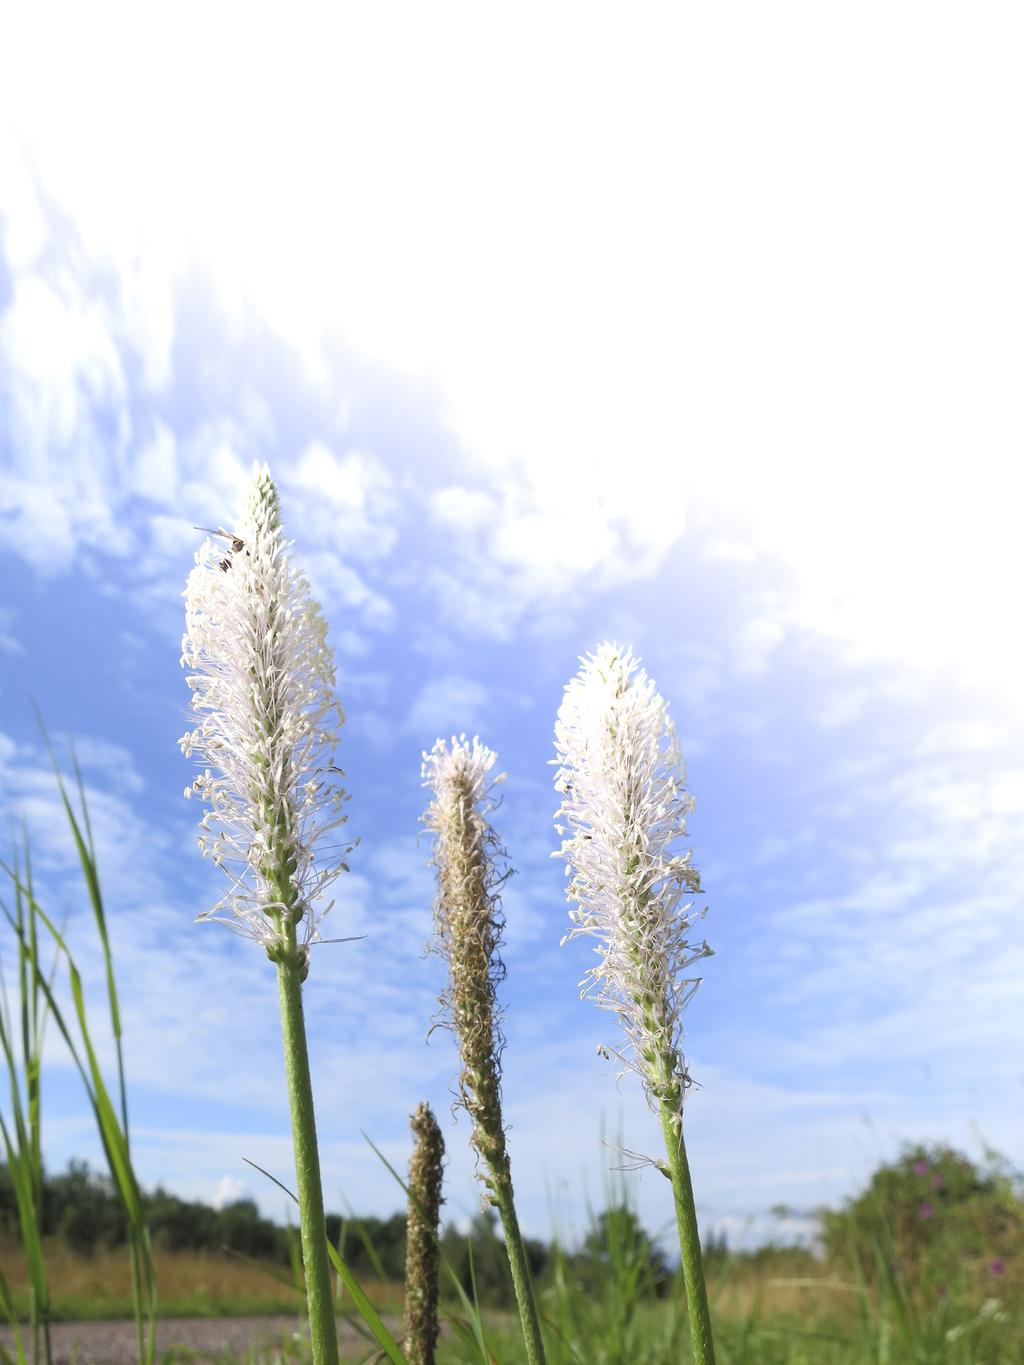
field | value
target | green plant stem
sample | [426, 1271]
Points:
[689, 1240]
[322, 1325]
[522, 1281]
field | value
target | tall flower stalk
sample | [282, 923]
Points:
[267, 723]
[623, 813]
[422, 1249]
[470, 865]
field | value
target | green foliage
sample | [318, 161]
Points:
[478, 1259]
[925, 1265]
[109, 1108]
[606, 1306]
[371, 1246]
[618, 1244]
[940, 1223]
[22, 1132]
[82, 1209]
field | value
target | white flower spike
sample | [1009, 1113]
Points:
[624, 807]
[262, 680]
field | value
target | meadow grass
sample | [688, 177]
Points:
[764, 1311]
[924, 1267]
[785, 1306]
[99, 1284]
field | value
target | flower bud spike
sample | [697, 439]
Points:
[422, 1249]
[471, 869]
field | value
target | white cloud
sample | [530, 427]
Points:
[9, 642]
[64, 392]
[36, 525]
[467, 509]
[217, 472]
[346, 501]
[154, 470]
[129, 849]
[168, 539]
[610, 394]
[446, 706]
[1006, 796]
[63, 362]
[60, 369]
[630, 365]
[229, 1190]
[525, 923]
[104, 759]
[21, 217]
[808, 378]
[342, 591]
[908, 916]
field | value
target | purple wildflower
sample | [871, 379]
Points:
[921, 1167]
[927, 1209]
[997, 1265]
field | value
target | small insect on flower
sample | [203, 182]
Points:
[237, 545]
[268, 722]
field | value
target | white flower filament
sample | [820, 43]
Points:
[262, 680]
[624, 807]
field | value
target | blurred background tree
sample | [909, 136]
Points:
[939, 1220]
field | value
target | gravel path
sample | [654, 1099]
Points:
[206, 1339]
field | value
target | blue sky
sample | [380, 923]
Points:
[698, 335]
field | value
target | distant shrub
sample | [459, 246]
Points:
[386, 1237]
[490, 1272]
[83, 1209]
[935, 1217]
[619, 1244]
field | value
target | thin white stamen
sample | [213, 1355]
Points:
[624, 809]
[262, 680]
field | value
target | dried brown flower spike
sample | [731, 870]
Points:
[422, 1253]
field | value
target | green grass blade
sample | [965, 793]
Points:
[372, 1255]
[12, 1319]
[8, 1305]
[471, 1306]
[373, 1319]
[112, 1136]
[370, 1315]
[87, 859]
[24, 1165]
[24, 1195]
[906, 1325]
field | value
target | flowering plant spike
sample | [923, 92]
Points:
[468, 924]
[468, 921]
[422, 1248]
[267, 723]
[625, 803]
[624, 808]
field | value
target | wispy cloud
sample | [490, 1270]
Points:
[448, 705]
[9, 642]
[797, 504]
